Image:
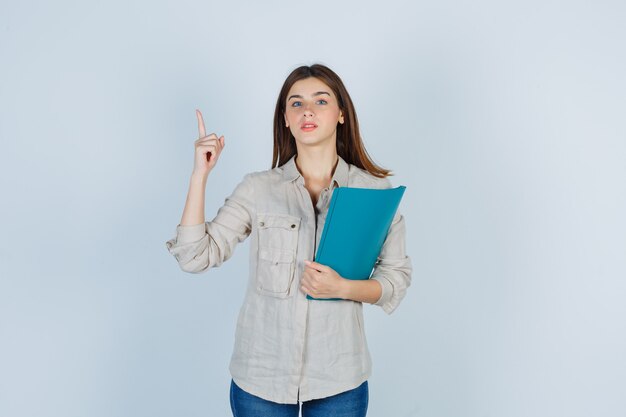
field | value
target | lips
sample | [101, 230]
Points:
[307, 126]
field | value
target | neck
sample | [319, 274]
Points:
[317, 164]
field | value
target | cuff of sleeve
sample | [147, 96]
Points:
[387, 291]
[190, 233]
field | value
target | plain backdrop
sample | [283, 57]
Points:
[504, 120]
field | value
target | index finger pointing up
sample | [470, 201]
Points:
[201, 129]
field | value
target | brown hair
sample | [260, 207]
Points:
[349, 144]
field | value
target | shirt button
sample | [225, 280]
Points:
[293, 226]
[261, 224]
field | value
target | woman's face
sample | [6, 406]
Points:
[312, 112]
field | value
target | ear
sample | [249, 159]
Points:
[340, 117]
[286, 122]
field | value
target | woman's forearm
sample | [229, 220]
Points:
[194, 206]
[366, 291]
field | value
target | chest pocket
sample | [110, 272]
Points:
[278, 244]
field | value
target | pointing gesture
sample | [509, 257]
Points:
[208, 149]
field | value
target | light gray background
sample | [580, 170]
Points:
[505, 120]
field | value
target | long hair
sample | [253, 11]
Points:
[349, 144]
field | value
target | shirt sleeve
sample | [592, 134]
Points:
[206, 245]
[393, 266]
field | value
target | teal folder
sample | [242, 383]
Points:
[355, 230]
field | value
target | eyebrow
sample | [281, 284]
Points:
[314, 94]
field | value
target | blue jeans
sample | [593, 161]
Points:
[352, 403]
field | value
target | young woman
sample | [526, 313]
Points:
[289, 349]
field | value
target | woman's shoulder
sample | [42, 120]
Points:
[265, 176]
[359, 177]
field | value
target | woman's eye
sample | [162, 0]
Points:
[299, 103]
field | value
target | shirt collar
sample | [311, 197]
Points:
[291, 173]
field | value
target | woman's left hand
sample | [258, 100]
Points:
[321, 281]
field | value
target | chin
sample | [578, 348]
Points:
[310, 144]
[310, 140]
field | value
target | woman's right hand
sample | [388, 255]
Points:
[208, 149]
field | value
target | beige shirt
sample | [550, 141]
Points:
[288, 348]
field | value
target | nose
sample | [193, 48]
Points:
[307, 110]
